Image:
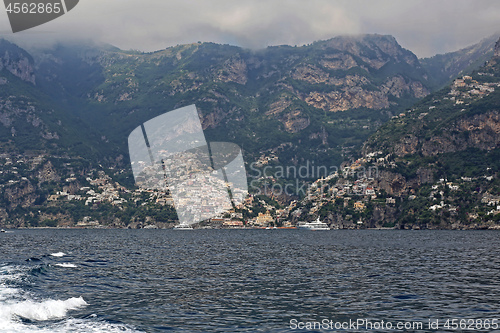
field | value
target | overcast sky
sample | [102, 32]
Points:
[425, 27]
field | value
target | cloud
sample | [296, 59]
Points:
[424, 26]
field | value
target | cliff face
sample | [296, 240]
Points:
[372, 72]
[255, 98]
[368, 55]
[17, 61]
[446, 67]
[479, 131]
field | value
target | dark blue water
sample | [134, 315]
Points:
[243, 280]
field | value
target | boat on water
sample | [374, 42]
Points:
[3, 230]
[183, 227]
[315, 225]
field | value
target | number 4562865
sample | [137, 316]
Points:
[34, 8]
[471, 324]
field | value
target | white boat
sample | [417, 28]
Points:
[183, 227]
[316, 225]
[2, 230]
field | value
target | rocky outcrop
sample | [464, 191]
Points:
[295, 121]
[351, 92]
[20, 194]
[338, 61]
[392, 183]
[497, 49]
[279, 106]
[397, 86]
[374, 50]
[407, 145]
[480, 131]
[233, 70]
[350, 98]
[48, 173]
[16, 61]
[18, 109]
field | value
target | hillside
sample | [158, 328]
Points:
[330, 94]
[67, 111]
[446, 67]
[444, 153]
[456, 118]
[434, 166]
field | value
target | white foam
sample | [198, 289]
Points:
[58, 254]
[68, 325]
[9, 274]
[86, 325]
[66, 265]
[46, 310]
[7, 293]
[16, 304]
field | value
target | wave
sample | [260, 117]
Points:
[58, 254]
[21, 311]
[86, 326]
[66, 265]
[46, 310]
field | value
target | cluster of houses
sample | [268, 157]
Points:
[467, 87]
[103, 190]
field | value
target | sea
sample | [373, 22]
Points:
[55, 280]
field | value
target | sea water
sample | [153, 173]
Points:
[244, 280]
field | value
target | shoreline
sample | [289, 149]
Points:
[6, 229]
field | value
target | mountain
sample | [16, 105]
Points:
[66, 113]
[444, 154]
[446, 67]
[458, 117]
[330, 94]
[31, 120]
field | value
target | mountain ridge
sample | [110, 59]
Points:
[64, 129]
[452, 64]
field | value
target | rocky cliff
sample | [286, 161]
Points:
[16, 61]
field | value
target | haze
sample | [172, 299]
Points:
[426, 27]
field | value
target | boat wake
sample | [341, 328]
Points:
[40, 311]
[66, 265]
[22, 311]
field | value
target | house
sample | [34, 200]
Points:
[370, 191]
[435, 207]
[53, 197]
[264, 219]
[228, 223]
[358, 205]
